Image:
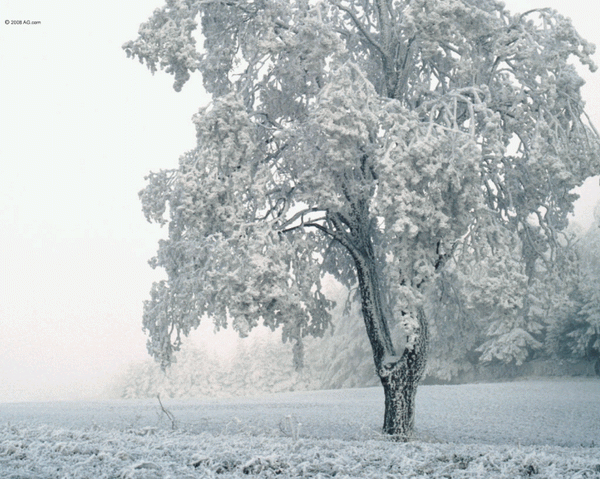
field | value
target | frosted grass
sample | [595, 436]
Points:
[548, 428]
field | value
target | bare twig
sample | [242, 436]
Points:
[169, 414]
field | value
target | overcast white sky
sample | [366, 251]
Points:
[80, 126]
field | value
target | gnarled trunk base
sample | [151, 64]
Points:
[400, 381]
[400, 390]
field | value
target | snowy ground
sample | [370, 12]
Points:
[541, 429]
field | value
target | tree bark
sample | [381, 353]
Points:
[374, 315]
[399, 417]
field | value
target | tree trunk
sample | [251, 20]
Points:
[399, 375]
[400, 381]
[399, 417]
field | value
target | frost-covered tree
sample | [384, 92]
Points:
[486, 309]
[577, 334]
[364, 138]
[456, 328]
[583, 331]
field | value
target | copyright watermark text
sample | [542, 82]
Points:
[22, 22]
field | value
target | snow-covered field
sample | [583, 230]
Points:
[542, 428]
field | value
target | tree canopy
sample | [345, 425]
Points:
[369, 139]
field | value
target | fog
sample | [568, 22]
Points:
[81, 125]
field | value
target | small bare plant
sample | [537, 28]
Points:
[233, 426]
[290, 427]
[167, 413]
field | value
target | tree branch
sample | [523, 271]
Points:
[287, 225]
[362, 30]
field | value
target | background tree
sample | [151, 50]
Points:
[367, 139]
[576, 335]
